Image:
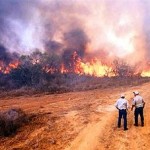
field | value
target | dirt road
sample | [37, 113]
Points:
[78, 121]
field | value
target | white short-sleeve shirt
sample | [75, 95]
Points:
[138, 101]
[122, 103]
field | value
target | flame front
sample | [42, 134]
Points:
[92, 68]
[81, 66]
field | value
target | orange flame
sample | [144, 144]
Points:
[7, 68]
[145, 74]
[48, 69]
[92, 68]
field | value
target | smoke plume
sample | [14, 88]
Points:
[99, 28]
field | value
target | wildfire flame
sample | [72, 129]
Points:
[7, 68]
[93, 67]
[145, 74]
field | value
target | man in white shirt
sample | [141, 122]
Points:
[139, 104]
[122, 105]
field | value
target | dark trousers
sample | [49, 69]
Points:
[137, 112]
[122, 113]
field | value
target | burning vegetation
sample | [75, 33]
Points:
[64, 41]
[6, 69]
[52, 64]
[58, 73]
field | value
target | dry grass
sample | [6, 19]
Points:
[74, 82]
[11, 120]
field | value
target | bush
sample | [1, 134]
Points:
[11, 120]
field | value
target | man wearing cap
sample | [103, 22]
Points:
[139, 104]
[122, 105]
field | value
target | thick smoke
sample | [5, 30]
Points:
[17, 24]
[53, 46]
[91, 28]
[4, 55]
[145, 26]
[76, 40]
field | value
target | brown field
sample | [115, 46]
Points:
[77, 121]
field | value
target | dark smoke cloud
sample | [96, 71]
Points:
[4, 55]
[53, 46]
[76, 40]
[62, 25]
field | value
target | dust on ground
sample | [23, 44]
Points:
[78, 121]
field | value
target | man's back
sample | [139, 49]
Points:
[122, 103]
[138, 101]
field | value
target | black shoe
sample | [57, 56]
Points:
[136, 125]
[125, 129]
[142, 125]
[119, 127]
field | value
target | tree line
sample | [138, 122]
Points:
[33, 71]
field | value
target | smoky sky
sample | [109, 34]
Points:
[15, 16]
[118, 28]
[146, 22]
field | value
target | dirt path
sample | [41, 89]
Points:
[104, 134]
[88, 139]
[135, 138]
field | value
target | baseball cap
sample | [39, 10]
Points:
[122, 95]
[136, 92]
